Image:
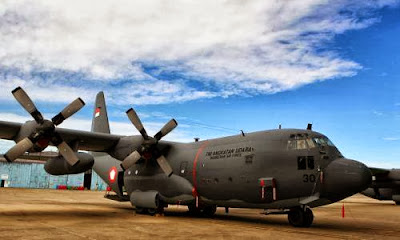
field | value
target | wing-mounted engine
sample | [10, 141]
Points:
[60, 166]
[149, 150]
[35, 136]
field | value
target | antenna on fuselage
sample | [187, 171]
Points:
[280, 126]
[309, 126]
[242, 133]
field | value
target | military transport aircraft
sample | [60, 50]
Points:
[385, 185]
[283, 170]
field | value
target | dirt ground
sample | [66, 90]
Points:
[63, 214]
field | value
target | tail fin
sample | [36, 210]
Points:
[107, 167]
[100, 119]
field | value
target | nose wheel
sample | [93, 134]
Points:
[301, 217]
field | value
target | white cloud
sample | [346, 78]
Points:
[224, 48]
[391, 138]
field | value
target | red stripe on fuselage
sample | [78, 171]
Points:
[195, 166]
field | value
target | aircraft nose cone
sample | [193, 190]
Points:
[345, 177]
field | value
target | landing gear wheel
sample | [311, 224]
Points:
[193, 210]
[152, 211]
[209, 210]
[299, 217]
[140, 210]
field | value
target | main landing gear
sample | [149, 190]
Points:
[151, 211]
[207, 210]
[300, 217]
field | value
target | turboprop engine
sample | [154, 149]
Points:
[60, 166]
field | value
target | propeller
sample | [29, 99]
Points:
[148, 147]
[44, 131]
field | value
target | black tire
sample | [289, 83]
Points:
[301, 218]
[209, 210]
[140, 210]
[152, 211]
[308, 217]
[193, 210]
[296, 217]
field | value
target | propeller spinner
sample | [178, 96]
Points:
[44, 131]
[148, 147]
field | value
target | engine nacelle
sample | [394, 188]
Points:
[59, 166]
[145, 199]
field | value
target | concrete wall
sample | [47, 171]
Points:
[33, 175]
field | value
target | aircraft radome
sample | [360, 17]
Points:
[282, 170]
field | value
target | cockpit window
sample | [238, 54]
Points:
[301, 144]
[323, 141]
[299, 141]
[310, 143]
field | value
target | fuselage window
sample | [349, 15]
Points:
[310, 162]
[301, 163]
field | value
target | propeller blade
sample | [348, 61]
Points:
[17, 150]
[130, 160]
[162, 161]
[137, 123]
[68, 154]
[27, 104]
[166, 129]
[68, 111]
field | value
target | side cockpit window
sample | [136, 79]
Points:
[297, 141]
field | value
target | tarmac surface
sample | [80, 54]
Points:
[64, 214]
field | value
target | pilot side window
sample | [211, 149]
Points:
[310, 162]
[305, 162]
[301, 163]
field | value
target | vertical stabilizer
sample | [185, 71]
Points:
[100, 119]
[107, 167]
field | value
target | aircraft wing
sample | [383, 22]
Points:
[379, 171]
[89, 141]
[8, 130]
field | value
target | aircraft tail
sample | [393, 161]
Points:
[107, 167]
[100, 119]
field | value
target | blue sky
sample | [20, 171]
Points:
[247, 66]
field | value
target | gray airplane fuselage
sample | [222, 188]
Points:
[297, 167]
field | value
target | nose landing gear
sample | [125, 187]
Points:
[300, 217]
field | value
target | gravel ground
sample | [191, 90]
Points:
[63, 214]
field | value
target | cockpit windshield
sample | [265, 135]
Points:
[303, 141]
[323, 141]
